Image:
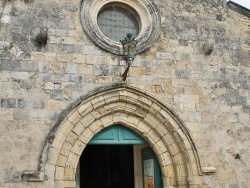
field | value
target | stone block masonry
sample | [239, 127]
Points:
[208, 93]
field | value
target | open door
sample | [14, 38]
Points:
[108, 159]
[152, 176]
[114, 158]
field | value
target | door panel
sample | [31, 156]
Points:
[152, 176]
[117, 134]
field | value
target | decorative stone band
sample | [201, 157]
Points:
[120, 104]
[149, 18]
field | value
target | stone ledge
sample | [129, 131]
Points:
[33, 176]
[208, 170]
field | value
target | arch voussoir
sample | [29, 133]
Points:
[150, 118]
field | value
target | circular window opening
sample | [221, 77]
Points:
[107, 22]
[116, 20]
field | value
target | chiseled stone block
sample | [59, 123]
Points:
[71, 138]
[59, 174]
[78, 147]
[58, 141]
[96, 126]
[74, 117]
[61, 160]
[72, 160]
[86, 136]
[69, 174]
[78, 129]
[70, 184]
[66, 127]
[65, 150]
[153, 136]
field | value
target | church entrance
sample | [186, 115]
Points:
[121, 115]
[118, 157]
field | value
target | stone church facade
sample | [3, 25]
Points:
[187, 92]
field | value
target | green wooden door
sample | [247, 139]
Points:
[117, 134]
[152, 176]
[121, 135]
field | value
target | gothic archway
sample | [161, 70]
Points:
[139, 111]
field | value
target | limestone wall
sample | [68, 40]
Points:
[210, 93]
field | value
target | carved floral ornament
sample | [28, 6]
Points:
[145, 12]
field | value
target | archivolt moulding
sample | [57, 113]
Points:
[120, 104]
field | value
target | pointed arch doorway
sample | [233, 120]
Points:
[150, 118]
[118, 157]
